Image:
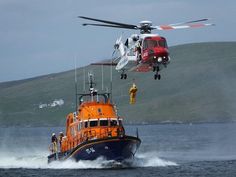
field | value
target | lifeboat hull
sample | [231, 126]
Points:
[114, 148]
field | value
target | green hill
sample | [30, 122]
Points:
[198, 86]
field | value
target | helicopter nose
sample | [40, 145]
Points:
[161, 56]
[162, 59]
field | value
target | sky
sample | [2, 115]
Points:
[39, 37]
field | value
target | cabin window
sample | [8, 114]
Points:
[113, 123]
[86, 124]
[79, 125]
[120, 122]
[73, 131]
[99, 111]
[145, 45]
[103, 122]
[131, 52]
[93, 123]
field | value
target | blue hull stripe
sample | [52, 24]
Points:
[111, 149]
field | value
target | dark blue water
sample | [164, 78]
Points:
[166, 150]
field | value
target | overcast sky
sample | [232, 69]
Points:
[39, 37]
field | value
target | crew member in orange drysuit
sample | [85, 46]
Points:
[132, 92]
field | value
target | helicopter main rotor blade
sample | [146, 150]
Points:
[109, 22]
[172, 27]
[182, 25]
[193, 21]
[105, 64]
[104, 25]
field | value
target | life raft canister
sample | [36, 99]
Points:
[132, 93]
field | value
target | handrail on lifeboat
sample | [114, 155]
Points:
[106, 96]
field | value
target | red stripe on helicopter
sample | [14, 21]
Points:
[166, 27]
[196, 25]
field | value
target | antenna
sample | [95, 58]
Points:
[102, 77]
[84, 81]
[90, 79]
[75, 85]
[93, 92]
[111, 78]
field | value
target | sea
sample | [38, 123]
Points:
[167, 150]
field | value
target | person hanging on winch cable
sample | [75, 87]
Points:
[132, 93]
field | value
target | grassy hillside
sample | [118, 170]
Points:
[198, 86]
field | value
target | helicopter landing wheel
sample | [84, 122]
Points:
[155, 68]
[123, 76]
[157, 76]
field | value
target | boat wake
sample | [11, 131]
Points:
[40, 162]
[151, 159]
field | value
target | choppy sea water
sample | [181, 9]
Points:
[166, 150]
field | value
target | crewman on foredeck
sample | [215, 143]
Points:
[54, 143]
[61, 135]
[132, 92]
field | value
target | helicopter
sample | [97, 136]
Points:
[142, 52]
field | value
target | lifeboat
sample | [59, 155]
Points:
[94, 130]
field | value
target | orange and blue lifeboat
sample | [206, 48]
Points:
[95, 130]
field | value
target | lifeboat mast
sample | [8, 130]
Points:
[92, 92]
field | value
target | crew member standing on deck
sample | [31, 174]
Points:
[132, 92]
[54, 143]
[61, 135]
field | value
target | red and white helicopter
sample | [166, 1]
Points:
[144, 52]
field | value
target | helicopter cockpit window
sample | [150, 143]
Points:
[144, 45]
[162, 43]
[150, 44]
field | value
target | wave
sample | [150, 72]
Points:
[40, 162]
[151, 159]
